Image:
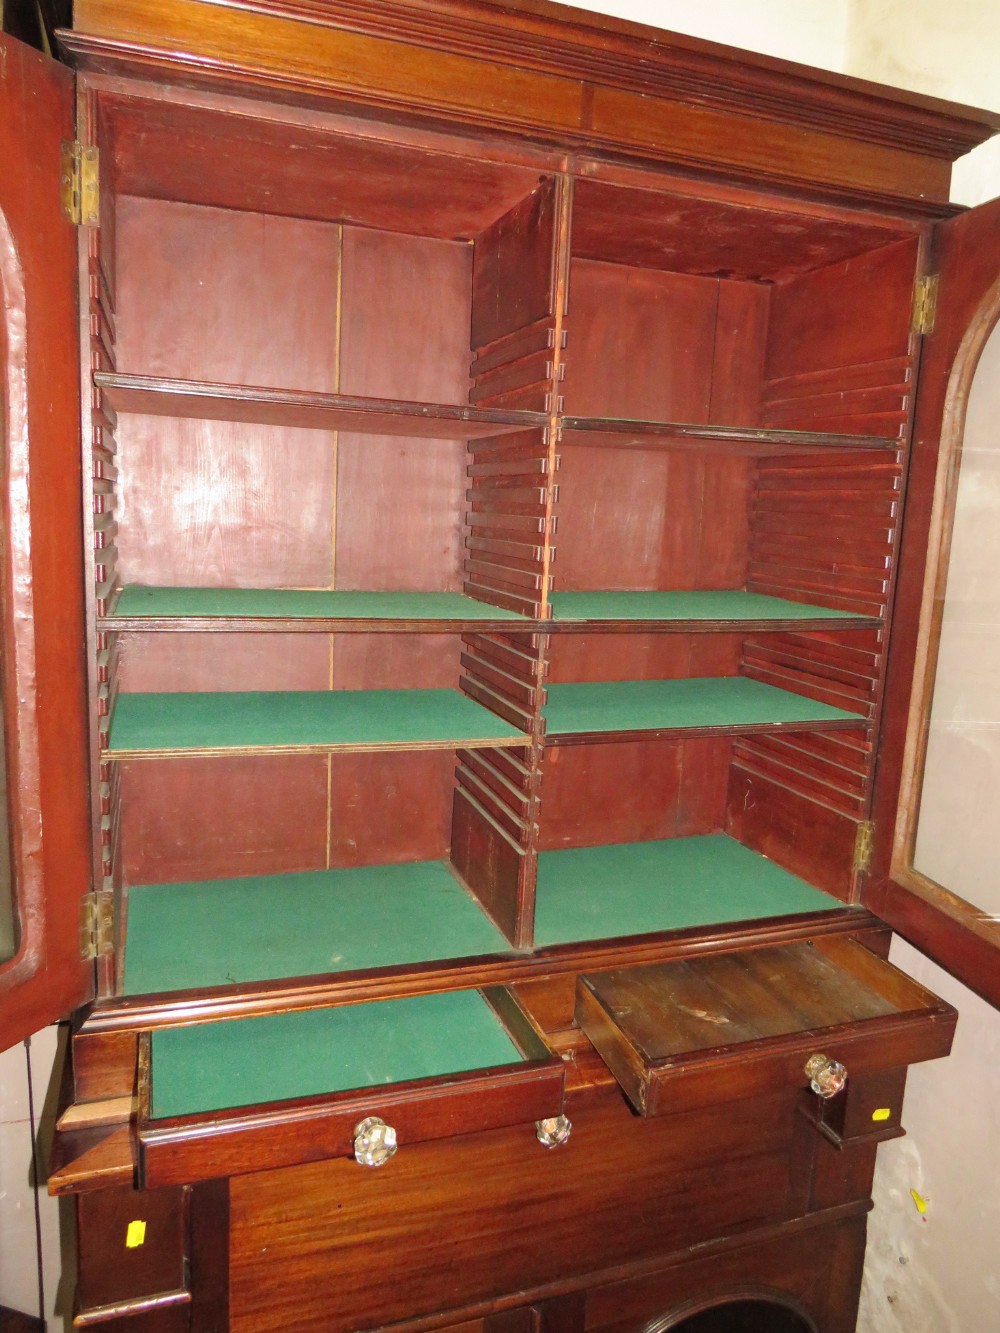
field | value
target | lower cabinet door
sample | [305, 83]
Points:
[234, 1096]
[728, 1026]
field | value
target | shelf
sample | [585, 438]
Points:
[280, 610]
[255, 405]
[302, 722]
[592, 710]
[259, 405]
[642, 888]
[266, 927]
[624, 433]
[283, 609]
[212, 1066]
[723, 608]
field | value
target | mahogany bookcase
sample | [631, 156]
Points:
[484, 697]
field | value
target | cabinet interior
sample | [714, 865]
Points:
[613, 472]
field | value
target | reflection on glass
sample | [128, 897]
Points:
[957, 831]
[8, 934]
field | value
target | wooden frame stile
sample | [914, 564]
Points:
[40, 599]
[956, 933]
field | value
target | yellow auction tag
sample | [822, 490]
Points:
[135, 1235]
[883, 1113]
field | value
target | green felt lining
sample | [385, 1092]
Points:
[637, 888]
[211, 1066]
[302, 719]
[264, 927]
[651, 705]
[264, 603]
[723, 604]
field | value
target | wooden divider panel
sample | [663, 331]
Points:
[517, 341]
[840, 356]
[101, 523]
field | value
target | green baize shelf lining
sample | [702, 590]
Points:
[277, 1057]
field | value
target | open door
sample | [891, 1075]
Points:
[44, 811]
[936, 874]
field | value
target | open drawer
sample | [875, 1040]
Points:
[686, 1034]
[234, 1096]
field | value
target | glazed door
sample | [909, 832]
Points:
[935, 878]
[44, 829]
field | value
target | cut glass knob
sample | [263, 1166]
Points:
[554, 1131]
[826, 1076]
[374, 1142]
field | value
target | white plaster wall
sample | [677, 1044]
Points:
[948, 48]
[811, 31]
[18, 1264]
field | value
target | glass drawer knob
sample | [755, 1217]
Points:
[374, 1142]
[554, 1131]
[826, 1076]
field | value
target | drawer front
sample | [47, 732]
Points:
[721, 1028]
[226, 1098]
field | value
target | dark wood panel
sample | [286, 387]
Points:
[277, 165]
[671, 327]
[632, 792]
[679, 519]
[216, 502]
[513, 276]
[390, 807]
[649, 1188]
[395, 343]
[806, 836]
[654, 229]
[610, 656]
[738, 355]
[165, 662]
[212, 818]
[399, 502]
[813, 1271]
[395, 661]
[845, 314]
[234, 297]
[132, 1244]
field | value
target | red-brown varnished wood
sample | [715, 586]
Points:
[812, 1270]
[41, 574]
[111, 1269]
[953, 931]
[243, 815]
[234, 1141]
[396, 343]
[215, 502]
[653, 229]
[632, 791]
[650, 1188]
[759, 118]
[664, 1030]
[289, 165]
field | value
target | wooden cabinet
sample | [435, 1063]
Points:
[496, 433]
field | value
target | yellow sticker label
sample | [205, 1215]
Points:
[135, 1235]
[883, 1113]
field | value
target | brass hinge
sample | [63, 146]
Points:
[863, 845]
[79, 184]
[925, 298]
[97, 921]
